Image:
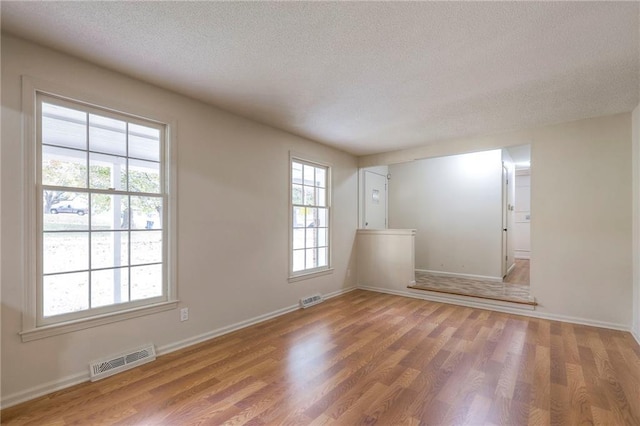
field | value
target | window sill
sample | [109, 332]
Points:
[81, 324]
[301, 277]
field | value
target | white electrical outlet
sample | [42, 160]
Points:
[184, 314]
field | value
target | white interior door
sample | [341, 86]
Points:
[375, 201]
[523, 215]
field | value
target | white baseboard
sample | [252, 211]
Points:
[172, 347]
[44, 389]
[487, 304]
[459, 275]
[636, 335]
[522, 254]
[513, 265]
[77, 378]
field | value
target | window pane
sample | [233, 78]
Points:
[109, 287]
[65, 211]
[65, 293]
[322, 257]
[146, 247]
[322, 237]
[109, 211]
[144, 176]
[146, 282]
[312, 238]
[299, 217]
[322, 199]
[321, 177]
[296, 195]
[144, 142]
[146, 213]
[298, 260]
[309, 196]
[107, 135]
[312, 217]
[64, 167]
[109, 249]
[64, 126]
[107, 172]
[296, 172]
[309, 175]
[89, 233]
[65, 251]
[322, 218]
[298, 238]
[310, 261]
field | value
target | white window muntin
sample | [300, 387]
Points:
[86, 189]
[311, 235]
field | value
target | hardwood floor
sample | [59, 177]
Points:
[519, 274]
[365, 358]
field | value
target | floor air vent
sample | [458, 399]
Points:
[311, 300]
[109, 366]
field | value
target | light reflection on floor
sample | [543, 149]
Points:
[305, 354]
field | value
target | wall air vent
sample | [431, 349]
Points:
[115, 364]
[311, 300]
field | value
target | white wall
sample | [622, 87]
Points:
[233, 197]
[455, 204]
[386, 258]
[581, 266]
[581, 231]
[636, 222]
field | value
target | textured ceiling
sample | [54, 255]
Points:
[366, 77]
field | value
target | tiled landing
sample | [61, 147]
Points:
[516, 293]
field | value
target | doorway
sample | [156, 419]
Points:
[506, 262]
[375, 200]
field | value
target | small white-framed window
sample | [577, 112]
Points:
[102, 210]
[310, 212]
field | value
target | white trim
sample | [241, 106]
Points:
[31, 329]
[522, 254]
[386, 232]
[486, 304]
[513, 265]
[172, 347]
[44, 389]
[95, 321]
[310, 161]
[308, 275]
[636, 334]
[77, 378]
[458, 275]
[29, 233]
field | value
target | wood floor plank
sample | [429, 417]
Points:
[478, 410]
[542, 379]
[580, 412]
[370, 358]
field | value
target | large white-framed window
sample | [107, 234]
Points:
[101, 215]
[310, 210]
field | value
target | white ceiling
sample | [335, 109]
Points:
[366, 77]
